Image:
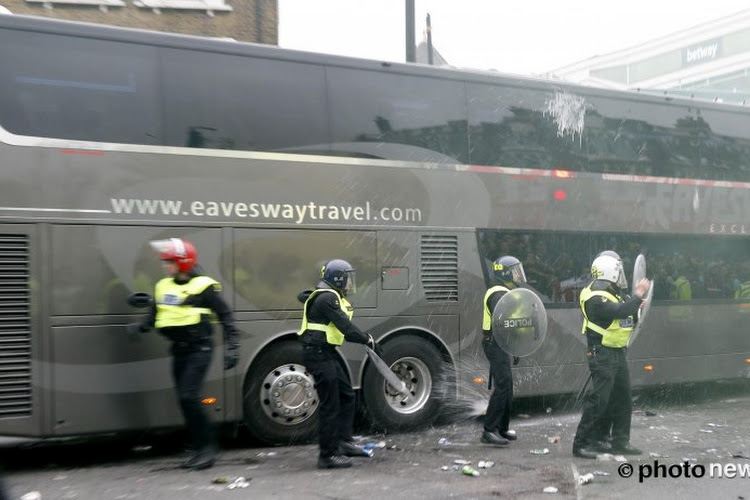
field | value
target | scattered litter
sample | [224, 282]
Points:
[372, 445]
[32, 495]
[486, 464]
[585, 478]
[716, 425]
[604, 457]
[524, 415]
[444, 441]
[600, 473]
[689, 459]
[707, 431]
[461, 461]
[659, 428]
[449, 467]
[740, 454]
[239, 482]
[543, 451]
[681, 441]
[712, 450]
[221, 480]
[649, 413]
[657, 455]
[553, 439]
[620, 458]
[550, 489]
[393, 447]
[468, 470]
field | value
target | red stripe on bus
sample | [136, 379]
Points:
[81, 152]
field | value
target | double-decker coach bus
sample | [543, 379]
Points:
[272, 161]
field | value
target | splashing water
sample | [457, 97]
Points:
[568, 111]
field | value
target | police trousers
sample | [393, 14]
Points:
[336, 409]
[608, 402]
[190, 363]
[497, 418]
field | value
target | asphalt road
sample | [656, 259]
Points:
[705, 426]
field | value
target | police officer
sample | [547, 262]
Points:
[183, 302]
[326, 323]
[608, 320]
[507, 273]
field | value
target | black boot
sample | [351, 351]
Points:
[349, 449]
[334, 462]
[493, 438]
[204, 459]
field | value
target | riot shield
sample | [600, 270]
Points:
[639, 272]
[642, 314]
[519, 322]
[387, 373]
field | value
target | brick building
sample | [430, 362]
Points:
[243, 20]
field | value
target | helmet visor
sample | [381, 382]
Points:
[351, 282]
[517, 274]
[622, 281]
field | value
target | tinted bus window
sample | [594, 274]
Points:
[397, 117]
[644, 138]
[685, 268]
[512, 127]
[78, 88]
[235, 102]
[723, 144]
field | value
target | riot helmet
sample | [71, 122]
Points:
[340, 275]
[609, 268]
[508, 269]
[180, 251]
[610, 253]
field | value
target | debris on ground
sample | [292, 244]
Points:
[554, 439]
[461, 461]
[619, 458]
[550, 489]
[653, 454]
[585, 478]
[600, 473]
[468, 470]
[444, 441]
[239, 482]
[740, 454]
[706, 431]
[486, 464]
[604, 457]
[542, 451]
[32, 495]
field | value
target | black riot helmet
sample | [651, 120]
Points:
[508, 269]
[340, 275]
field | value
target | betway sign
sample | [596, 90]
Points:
[705, 51]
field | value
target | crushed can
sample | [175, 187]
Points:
[468, 470]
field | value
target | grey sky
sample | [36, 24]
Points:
[533, 36]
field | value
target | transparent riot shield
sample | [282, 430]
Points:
[519, 322]
[639, 272]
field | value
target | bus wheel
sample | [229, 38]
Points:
[279, 397]
[419, 364]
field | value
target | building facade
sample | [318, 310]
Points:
[243, 20]
[710, 61]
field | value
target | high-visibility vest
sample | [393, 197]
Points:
[618, 332]
[170, 296]
[333, 334]
[681, 289]
[743, 292]
[486, 313]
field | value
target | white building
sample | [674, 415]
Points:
[710, 61]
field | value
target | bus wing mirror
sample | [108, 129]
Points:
[140, 300]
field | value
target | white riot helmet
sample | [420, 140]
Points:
[606, 267]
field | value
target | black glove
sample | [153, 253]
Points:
[231, 356]
[375, 346]
[134, 330]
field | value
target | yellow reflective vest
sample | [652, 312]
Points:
[333, 334]
[486, 313]
[170, 297]
[618, 332]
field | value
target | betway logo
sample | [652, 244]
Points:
[701, 52]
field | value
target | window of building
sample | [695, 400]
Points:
[210, 6]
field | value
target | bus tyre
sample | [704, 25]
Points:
[420, 365]
[279, 398]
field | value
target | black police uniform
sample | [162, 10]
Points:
[337, 401]
[191, 350]
[497, 418]
[608, 402]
